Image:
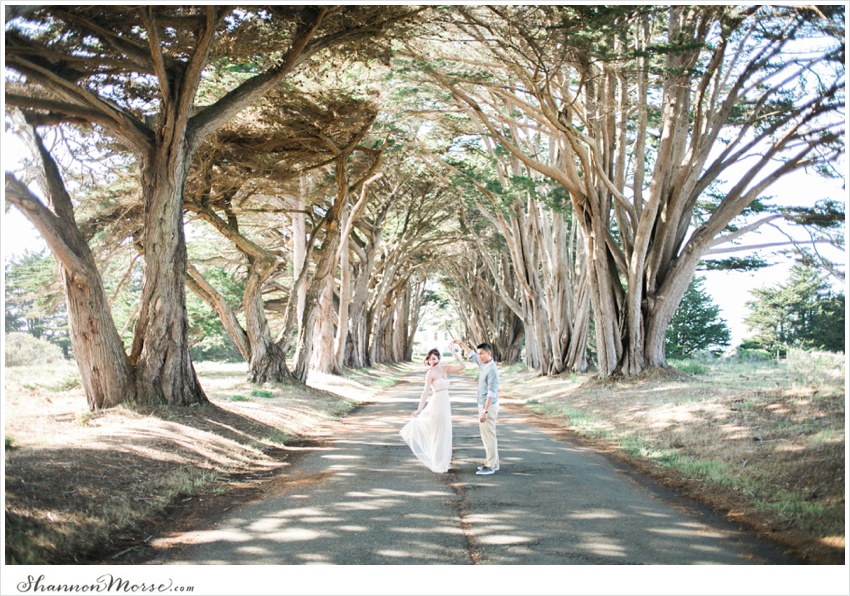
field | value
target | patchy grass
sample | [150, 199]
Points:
[81, 486]
[762, 440]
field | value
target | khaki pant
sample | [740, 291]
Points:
[488, 436]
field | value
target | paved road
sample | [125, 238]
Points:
[364, 499]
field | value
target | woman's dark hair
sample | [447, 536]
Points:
[434, 352]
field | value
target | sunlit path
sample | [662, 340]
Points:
[364, 499]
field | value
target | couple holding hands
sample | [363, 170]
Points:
[429, 432]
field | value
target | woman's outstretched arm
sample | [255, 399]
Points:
[460, 363]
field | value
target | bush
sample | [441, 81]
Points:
[22, 349]
[691, 367]
[754, 355]
[816, 369]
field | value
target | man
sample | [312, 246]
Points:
[488, 403]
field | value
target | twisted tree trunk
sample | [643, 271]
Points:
[106, 373]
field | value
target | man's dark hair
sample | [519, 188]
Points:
[485, 346]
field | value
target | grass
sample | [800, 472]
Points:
[187, 483]
[691, 367]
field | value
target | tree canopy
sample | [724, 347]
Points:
[803, 312]
[562, 170]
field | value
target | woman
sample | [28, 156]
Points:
[429, 432]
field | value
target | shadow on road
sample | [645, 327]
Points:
[364, 499]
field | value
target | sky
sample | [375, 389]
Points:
[731, 289]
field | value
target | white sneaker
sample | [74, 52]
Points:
[482, 466]
[485, 471]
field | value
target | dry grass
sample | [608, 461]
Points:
[764, 442]
[80, 485]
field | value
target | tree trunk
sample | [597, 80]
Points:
[307, 330]
[345, 293]
[206, 292]
[164, 371]
[366, 255]
[415, 314]
[105, 370]
[299, 249]
[323, 346]
[268, 360]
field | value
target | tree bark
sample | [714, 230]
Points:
[323, 346]
[206, 292]
[266, 358]
[105, 370]
[324, 268]
[299, 249]
[164, 371]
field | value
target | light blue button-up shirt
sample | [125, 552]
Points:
[488, 380]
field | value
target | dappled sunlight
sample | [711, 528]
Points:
[502, 539]
[683, 532]
[736, 432]
[834, 541]
[350, 387]
[791, 448]
[602, 547]
[595, 515]
[363, 498]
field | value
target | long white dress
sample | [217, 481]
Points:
[429, 434]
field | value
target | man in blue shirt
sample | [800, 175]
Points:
[488, 403]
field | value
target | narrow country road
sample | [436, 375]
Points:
[364, 499]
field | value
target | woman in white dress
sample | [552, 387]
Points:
[429, 432]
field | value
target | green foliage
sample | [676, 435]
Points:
[207, 338]
[802, 313]
[262, 393]
[691, 367]
[826, 214]
[35, 303]
[816, 369]
[751, 263]
[696, 326]
[749, 354]
[23, 349]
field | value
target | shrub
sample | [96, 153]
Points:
[816, 369]
[22, 349]
[691, 367]
[754, 355]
